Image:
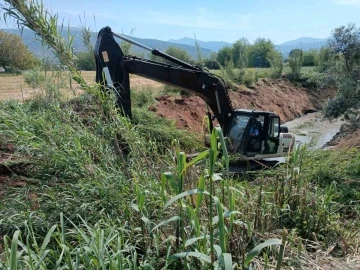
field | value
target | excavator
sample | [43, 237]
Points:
[251, 134]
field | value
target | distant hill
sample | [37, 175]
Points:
[305, 40]
[215, 46]
[36, 47]
[188, 44]
[305, 43]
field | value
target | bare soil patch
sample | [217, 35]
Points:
[346, 138]
[280, 96]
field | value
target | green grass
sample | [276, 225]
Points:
[264, 72]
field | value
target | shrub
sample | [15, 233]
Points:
[295, 63]
[276, 60]
[323, 61]
[86, 61]
[179, 53]
[34, 78]
[211, 64]
[310, 58]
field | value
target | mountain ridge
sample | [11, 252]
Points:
[186, 43]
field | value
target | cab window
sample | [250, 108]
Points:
[274, 127]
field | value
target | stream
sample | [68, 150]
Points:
[312, 130]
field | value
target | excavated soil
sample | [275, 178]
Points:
[284, 98]
[346, 138]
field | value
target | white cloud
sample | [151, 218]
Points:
[347, 2]
[202, 18]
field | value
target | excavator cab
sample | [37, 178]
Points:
[257, 135]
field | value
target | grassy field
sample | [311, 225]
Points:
[264, 72]
[14, 87]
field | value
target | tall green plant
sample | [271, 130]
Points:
[295, 63]
[276, 60]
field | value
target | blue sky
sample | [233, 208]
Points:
[279, 20]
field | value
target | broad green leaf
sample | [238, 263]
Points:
[238, 191]
[183, 194]
[47, 239]
[200, 256]
[216, 177]
[200, 196]
[227, 261]
[13, 255]
[163, 185]
[135, 207]
[223, 146]
[146, 220]
[62, 228]
[191, 241]
[174, 218]
[221, 225]
[196, 159]
[226, 214]
[218, 251]
[38, 263]
[170, 179]
[256, 250]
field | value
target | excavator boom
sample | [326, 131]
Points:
[116, 67]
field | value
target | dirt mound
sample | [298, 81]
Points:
[346, 138]
[280, 96]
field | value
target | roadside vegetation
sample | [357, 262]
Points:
[83, 188]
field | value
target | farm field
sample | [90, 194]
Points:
[14, 87]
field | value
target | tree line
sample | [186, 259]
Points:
[242, 54]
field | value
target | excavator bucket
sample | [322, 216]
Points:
[110, 71]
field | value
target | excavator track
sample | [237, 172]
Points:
[241, 167]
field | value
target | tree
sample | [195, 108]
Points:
[86, 59]
[259, 51]
[14, 54]
[323, 60]
[295, 62]
[212, 62]
[276, 60]
[310, 58]
[239, 53]
[224, 55]
[343, 72]
[179, 54]
[345, 44]
[125, 47]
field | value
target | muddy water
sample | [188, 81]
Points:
[312, 130]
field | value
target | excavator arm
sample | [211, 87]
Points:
[113, 69]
